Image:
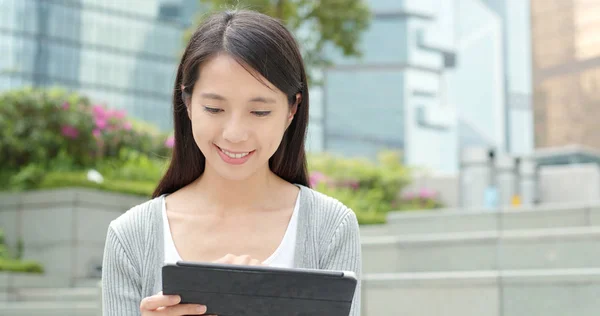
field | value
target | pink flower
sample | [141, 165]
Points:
[65, 106]
[100, 123]
[70, 131]
[127, 126]
[315, 178]
[170, 142]
[99, 112]
[408, 195]
[350, 183]
[119, 114]
[96, 133]
[425, 193]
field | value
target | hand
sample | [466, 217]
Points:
[168, 305]
[239, 260]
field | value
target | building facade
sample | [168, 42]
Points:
[436, 76]
[566, 72]
[120, 53]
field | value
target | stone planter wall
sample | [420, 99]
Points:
[62, 229]
[489, 293]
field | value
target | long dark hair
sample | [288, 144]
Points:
[257, 41]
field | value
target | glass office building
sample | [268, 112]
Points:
[566, 72]
[120, 53]
[436, 76]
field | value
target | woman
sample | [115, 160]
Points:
[236, 190]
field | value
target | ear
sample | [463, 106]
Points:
[294, 109]
[186, 101]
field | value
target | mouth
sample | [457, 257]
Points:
[234, 156]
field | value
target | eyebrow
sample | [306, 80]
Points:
[215, 96]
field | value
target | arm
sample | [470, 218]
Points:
[121, 288]
[344, 253]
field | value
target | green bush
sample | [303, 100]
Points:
[133, 165]
[20, 266]
[7, 263]
[369, 188]
[51, 129]
[36, 125]
[3, 251]
[418, 200]
[79, 179]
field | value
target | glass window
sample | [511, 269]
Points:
[369, 103]
[542, 7]
[587, 43]
[354, 147]
[6, 42]
[6, 12]
[27, 54]
[314, 137]
[377, 45]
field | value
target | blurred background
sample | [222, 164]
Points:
[461, 132]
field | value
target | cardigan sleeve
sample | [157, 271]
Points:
[121, 287]
[344, 254]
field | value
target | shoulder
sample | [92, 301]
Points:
[328, 213]
[137, 222]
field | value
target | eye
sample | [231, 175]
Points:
[261, 113]
[212, 110]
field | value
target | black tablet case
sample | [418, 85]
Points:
[229, 290]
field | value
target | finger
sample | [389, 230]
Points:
[242, 260]
[152, 303]
[185, 309]
[255, 262]
[226, 259]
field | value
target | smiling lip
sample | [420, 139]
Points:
[234, 157]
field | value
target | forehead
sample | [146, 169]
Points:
[225, 73]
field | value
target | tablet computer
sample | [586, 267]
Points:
[236, 290]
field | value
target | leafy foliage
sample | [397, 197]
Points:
[35, 124]
[20, 266]
[8, 263]
[370, 189]
[51, 129]
[315, 24]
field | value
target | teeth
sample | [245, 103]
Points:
[235, 156]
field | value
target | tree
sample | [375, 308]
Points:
[316, 24]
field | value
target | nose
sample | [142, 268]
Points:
[235, 131]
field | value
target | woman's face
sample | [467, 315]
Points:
[237, 121]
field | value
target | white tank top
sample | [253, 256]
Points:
[283, 256]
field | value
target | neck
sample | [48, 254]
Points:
[237, 194]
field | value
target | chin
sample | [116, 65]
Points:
[235, 175]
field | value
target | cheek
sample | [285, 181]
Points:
[273, 132]
[202, 128]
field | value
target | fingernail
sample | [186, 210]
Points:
[201, 309]
[175, 298]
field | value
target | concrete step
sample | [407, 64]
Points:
[458, 220]
[509, 250]
[87, 283]
[57, 295]
[489, 293]
[10, 281]
[65, 308]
